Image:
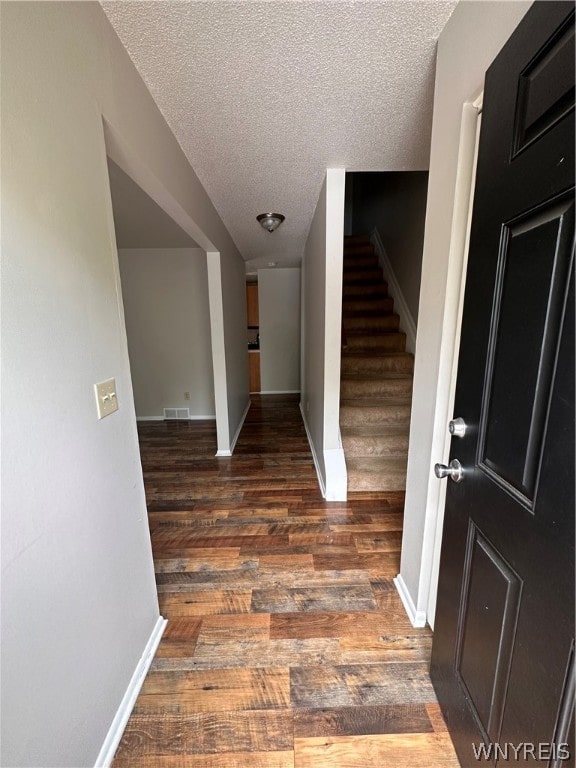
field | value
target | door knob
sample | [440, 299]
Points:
[457, 427]
[454, 471]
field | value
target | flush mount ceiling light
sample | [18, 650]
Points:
[270, 221]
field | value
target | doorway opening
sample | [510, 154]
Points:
[164, 282]
[384, 234]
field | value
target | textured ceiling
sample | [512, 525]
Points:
[139, 222]
[264, 96]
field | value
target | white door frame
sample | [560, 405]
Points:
[118, 150]
[453, 308]
[422, 611]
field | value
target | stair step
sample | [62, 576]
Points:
[376, 376]
[365, 290]
[368, 441]
[360, 261]
[377, 342]
[376, 474]
[377, 365]
[373, 411]
[371, 324]
[363, 276]
[361, 387]
[367, 305]
[356, 240]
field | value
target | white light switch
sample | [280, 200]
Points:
[106, 400]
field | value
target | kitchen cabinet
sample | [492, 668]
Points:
[254, 371]
[252, 305]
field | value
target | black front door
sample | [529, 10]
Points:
[503, 653]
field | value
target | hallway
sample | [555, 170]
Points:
[287, 644]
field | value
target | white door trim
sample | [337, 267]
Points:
[424, 606]
[452, 324]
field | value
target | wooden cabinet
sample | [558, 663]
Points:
[253, 322]
[252, 304]
[254, 371]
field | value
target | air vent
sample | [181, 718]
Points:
[170, 414]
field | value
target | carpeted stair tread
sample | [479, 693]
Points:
[376, 474]
[355, 413]
[373, 290]
[356, 238]
[376, 376]
[362, 276]
[360, 363]
[371, 324]
[367, 305]
[394, 341]
[374, 430]
[369, 440]
[353, 387]
[360, 261]
[372, 402]
[354, 376]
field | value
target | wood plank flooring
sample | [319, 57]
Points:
[287, 645]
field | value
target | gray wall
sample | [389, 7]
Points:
[279, 309]
[233, 273]
[394, 204]
[165, 293]
[78, 595]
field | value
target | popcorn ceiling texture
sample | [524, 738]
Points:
[264, 96]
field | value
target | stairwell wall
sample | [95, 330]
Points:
[395, 204]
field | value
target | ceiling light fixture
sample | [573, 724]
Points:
[270, 221]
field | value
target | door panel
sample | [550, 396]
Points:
[503, 652]
[487, 625]
[532, 269]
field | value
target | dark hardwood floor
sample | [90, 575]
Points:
[286, 644]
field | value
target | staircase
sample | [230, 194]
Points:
[376, 378]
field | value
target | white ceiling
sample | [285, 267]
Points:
[139, 222]
[263, 96]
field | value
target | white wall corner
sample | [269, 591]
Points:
[407, 322]
[240, 425]
[319, 474]
[336, 475]
[110, 745]
[417, 618]
[218, 352]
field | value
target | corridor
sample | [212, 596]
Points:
[287, 644]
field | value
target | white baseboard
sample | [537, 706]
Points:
[407, 323]
[314, 456]
[237, 435]
[336, 475]
[417, 618]
[278, 392]
[110, 745]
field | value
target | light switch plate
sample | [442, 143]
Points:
[106, 400]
